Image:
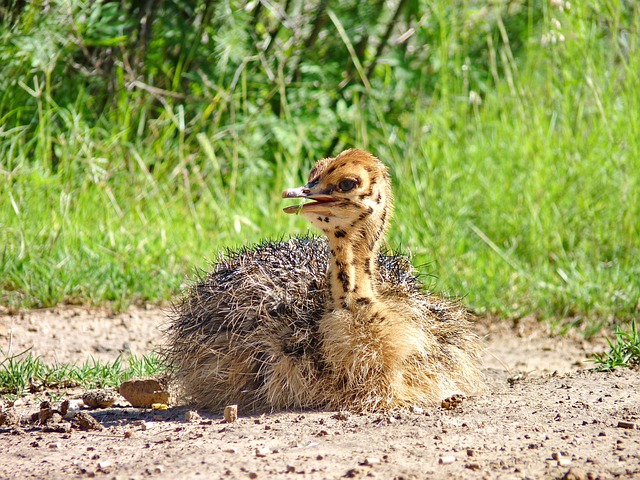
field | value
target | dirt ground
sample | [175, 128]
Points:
[546, 415]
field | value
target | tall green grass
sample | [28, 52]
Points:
[516, 173]
[530, 202]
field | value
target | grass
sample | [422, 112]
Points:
[24, 373]
[624, 352]
[525, 203]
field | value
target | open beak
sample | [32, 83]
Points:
[320, 203]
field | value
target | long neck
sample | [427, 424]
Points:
[352, 268]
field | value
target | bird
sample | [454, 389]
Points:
[333, 322]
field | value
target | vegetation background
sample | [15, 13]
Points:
[140, 138]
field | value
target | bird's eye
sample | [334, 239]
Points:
[347, 185]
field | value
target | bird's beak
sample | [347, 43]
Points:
[319, 205]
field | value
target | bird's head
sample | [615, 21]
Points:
[348, 193]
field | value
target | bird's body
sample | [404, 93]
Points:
[323, 323]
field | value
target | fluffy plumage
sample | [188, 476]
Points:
[323, 323]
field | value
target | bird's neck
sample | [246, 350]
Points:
[351, 274]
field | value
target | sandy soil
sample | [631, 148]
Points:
[546, 416]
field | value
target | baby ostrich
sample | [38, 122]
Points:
[308, 323]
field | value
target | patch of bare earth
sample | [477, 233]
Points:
[546, 415]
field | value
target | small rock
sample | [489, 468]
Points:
[55, 418]
[575, 474]
[556, 456]
[230, 450]
[470, 452]
[144, 393]
[100, 398]
[452, 403]
[158, 469]
[9, 417]
[564, 462]
[417, 410]
[262, 452]
[128, 434]
[45, 413]
[54, 446]
[192, 416]
[69, 408]
[64, 407]
[86, 421]
[446, 460]
[627, 425]
[105, 466]
[231, 413]
[291, 469]
[253, 475]
[371, 461]
[473, 466]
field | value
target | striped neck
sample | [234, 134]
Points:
[352, 266]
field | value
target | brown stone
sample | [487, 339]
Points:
[86, 421]
[144, 393]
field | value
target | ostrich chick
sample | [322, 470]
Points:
[311, 323]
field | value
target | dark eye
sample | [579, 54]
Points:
[347, 185]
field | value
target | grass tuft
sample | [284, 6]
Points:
[624, 352]
[28, 373]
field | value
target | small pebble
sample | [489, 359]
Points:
[627, 425]
[192, 416]
[231, 413]
[54, 446]
[262, 452]
[446, 460]
[99, 398]
[70, 407]
[575, 474]
[86, 421]
[370, 461]
[452, 403]
[564, 462]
